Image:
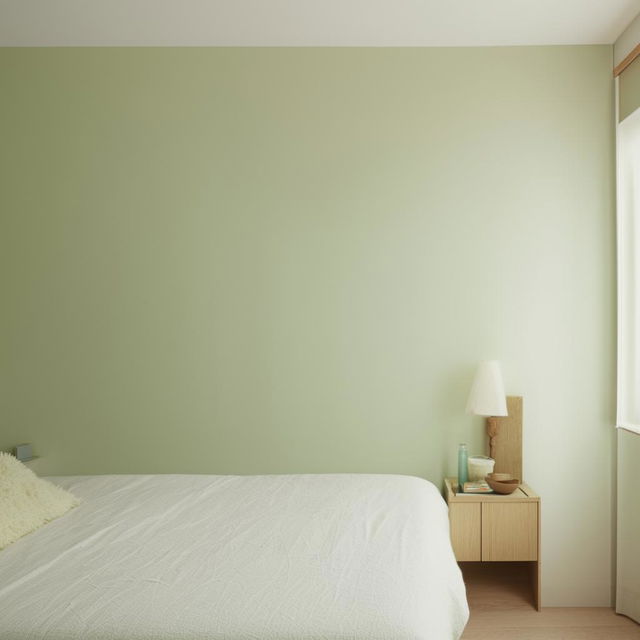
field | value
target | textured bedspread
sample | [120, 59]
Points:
[187, 557]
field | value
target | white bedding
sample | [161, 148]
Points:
[179, 557]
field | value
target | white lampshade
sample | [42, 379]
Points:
[487, 397]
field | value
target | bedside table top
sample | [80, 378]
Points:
[523, 494]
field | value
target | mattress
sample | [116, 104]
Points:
[188, 557]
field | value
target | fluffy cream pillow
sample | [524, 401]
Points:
[26, 501]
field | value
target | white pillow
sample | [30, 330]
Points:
[26, 501]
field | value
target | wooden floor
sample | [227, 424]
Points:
[501, 609]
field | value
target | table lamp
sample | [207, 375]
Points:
[487, 398]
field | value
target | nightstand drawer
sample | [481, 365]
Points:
[465, 522]
[509, 531]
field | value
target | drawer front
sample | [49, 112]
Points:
[465, 523]
[509, 531]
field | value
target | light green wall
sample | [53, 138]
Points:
[626, 41]
[291, 260]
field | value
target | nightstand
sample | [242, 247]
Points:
[496, 528]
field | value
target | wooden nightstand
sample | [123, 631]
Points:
[496, 528]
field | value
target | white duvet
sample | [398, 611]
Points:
[187, 557]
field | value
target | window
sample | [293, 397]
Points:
[629, 273]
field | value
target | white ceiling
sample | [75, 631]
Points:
[312, 22]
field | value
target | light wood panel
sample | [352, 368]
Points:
[635, 52]
[536, 567]
[509, 531]
[498, 583]
[465, 521]
[507, 446]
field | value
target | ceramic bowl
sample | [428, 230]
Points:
[504, 487]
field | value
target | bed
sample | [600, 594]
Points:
[194, 557]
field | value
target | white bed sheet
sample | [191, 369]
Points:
[187, 557]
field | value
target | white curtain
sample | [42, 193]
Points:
[628, 514]
[629, 273]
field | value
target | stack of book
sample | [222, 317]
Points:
[477, 486]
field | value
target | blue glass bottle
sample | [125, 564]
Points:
[463, 467]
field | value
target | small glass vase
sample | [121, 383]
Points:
[463, 466]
